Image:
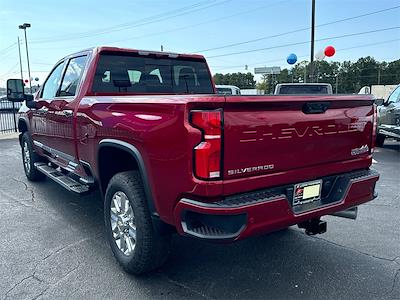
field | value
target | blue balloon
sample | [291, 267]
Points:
[291, 59]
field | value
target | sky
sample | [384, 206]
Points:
[229, 33]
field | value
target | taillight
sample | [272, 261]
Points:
[207, 154]
[374, 128]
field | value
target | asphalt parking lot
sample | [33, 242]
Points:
[52, 246]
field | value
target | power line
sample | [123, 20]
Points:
[8, 48]
[132, 25]
[201, 23]
[298, 30]
[10, 70]
[18, 72]
[306, 55]
[186, 27]
[305, 42]
[122, 24]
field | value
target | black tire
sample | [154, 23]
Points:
[151, 248]
[29, 166]
[380, 140]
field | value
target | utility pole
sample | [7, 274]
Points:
[20, 61]
[337, 82]
[162, 48]
[24, 27]
[312, 40]
[379, 76]
[22, 78]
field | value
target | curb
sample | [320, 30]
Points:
[9, 136]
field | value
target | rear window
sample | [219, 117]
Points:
[145, 74]
[303, 89]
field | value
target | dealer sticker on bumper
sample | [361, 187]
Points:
[307, 192]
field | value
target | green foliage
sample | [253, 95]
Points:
[241, 80]
[351, 77]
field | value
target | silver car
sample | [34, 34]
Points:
[389, 118]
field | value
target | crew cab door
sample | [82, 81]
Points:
[53, 124]
[38, 117]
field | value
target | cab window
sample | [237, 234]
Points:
[73, 76]
[52, 83]
[135, 73]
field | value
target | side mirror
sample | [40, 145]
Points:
[15, 90]
[379, 101]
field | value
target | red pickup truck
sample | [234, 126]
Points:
[170, 155]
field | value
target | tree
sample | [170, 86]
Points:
[264, 85]
[300, 71]
[241, 80]
[351, 77]
[391, 73]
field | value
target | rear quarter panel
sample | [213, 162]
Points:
[158, 127]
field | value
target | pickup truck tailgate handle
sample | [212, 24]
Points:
[315, 107]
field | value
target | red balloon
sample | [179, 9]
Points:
[329, 51]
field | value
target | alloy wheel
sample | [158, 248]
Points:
[26, 157]
[123, 224]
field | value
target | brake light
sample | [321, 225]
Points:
[374, 128]
[207, 154]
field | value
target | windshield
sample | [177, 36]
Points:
[138, 74]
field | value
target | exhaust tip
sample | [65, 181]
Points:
[350, 213]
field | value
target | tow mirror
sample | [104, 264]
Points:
[379, 101]
[15, 90]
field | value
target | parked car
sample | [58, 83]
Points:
[302, 88]
[389, 118]
[227, 90]
[170, 155]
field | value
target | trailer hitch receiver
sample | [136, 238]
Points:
[313, 226]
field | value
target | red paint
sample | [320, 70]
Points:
[299, 146]
[277, 214]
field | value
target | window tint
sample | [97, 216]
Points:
[303, 89]
[146, 74]
[72, 76]
[395, 96]
[52, 84]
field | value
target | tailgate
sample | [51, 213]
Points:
[271, 134]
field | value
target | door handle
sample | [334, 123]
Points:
[315, 107]
[68, 113]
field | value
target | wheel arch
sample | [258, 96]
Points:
[22, 128]
[139, 165]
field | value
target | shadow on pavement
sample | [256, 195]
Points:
[286, 264]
